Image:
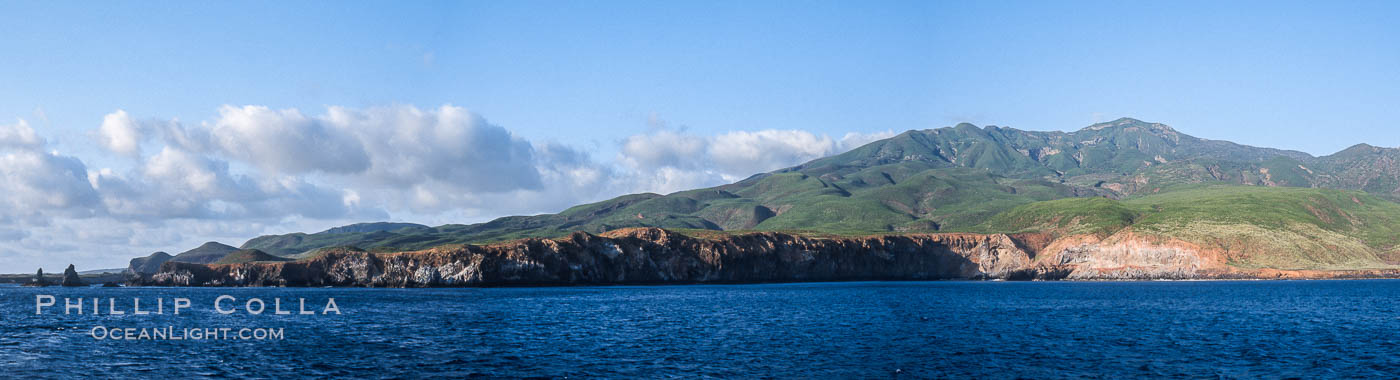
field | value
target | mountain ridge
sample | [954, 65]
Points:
[206, 253]
[919, 181]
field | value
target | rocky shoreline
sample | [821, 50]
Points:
[655, 256]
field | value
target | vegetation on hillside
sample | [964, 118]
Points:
[1262, 227]
[204, 254]
[248, 256]
[964, 178]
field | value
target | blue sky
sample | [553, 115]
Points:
[1307, 75]
[606, 80]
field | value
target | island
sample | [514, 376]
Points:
[1122, 200]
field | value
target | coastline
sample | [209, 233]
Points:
[682, 284]
[651, 256]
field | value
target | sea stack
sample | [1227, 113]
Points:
[70, 277]
[38, 280]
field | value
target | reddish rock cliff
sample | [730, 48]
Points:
[656, 256]
[637, 256]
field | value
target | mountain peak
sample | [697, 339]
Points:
[1127, 122]
[214, 244]
[1362, 148]
[206, 253]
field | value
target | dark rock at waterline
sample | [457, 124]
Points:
[657, 256]
[634, 256]
[71, 278]
[38, 280]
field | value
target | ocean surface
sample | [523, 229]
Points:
[817, 330]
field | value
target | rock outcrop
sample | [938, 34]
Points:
[71, 278]
[38, 279]
[638, 256]
[657, 256]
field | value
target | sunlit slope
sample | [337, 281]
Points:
[1259, 227]
[248, 256]
[874, 201]
[946, 179]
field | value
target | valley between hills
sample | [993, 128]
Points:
[1125, 199]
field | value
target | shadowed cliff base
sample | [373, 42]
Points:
[658, 256]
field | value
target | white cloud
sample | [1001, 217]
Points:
[188, 173]
[664, 148]
[38, 185]
[854, 140]
[394, 147]
[741, 154]
[179, 184]
[195, 139]
[670, 160]
[286, 141]
[666, 180]
[409, 147]
[19, 136]
[448, 157]
[120, 134]
[47, 180]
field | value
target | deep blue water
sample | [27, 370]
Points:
[822, 330]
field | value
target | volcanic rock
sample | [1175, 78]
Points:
[38, 280]
[70, 277]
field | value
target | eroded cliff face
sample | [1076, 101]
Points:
[1128, 256]
[656, 256]
[636, 256]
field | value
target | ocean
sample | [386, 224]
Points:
[1231, 329]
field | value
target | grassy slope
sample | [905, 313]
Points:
[247, 256]
[949, 179]
[204, 254]
[1273, 227]
[885, 199]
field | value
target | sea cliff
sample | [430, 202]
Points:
[657, 256]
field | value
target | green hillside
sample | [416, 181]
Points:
[248, 256]
[204, 254]
[373, 227]
[149, 264]
[1268, 227]
[947, 179]
[895, 199]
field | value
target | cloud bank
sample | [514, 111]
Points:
[678, 161]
